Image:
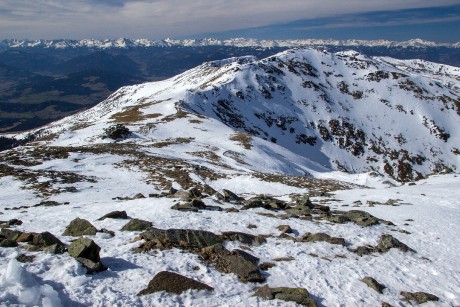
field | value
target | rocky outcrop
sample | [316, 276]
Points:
[173, 283]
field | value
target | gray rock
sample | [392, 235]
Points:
[10, 234]
[8, 243]
[297, 295]
[173, 283]
[86, 251]
[372, 283]
[46, 241]
[266, 202]
[25, 258]
[363, 250]
[137, 225]
[419, 297]
[229, 196]
[239, 262]
[322, 237]
[362, 218]
[79, 227]
[243, 238]
[388, 242]
[284, 228]
[114, 215]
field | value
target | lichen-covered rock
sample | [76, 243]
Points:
[296, 295]
[322, 237]
[79, 227]
[10, 234]
[243, 238]
[48, 242]
[419, 297]
[114, 215]
[372, 283]
[86, 251]
[173, 283]
[137, 225]
[241, 263]
[388, 242]
[362, 218]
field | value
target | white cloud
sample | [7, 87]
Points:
[162, 18]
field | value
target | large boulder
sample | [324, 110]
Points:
[188, 239]
[297, 295]
[48, 242]
[137, 225]
[114, 215]
[79, 227]
[173, 283]
[241, 263]
[86, 251]
[388, 242]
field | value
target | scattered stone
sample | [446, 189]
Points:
[25, 258]
[388, 242]
[114, 215]
[48, 242]
[251, 226]
[106, 231]
[8, 243]
[281, 259]
[136, 225]
[231, 210]
[86, 251]
[48, 203]
[266, 202]
[363, 250]
[79, 227]
[372, 283]
[229, 196]
[297, 295]
[385, 304]
[419, 297]
[10, 234]
[266, 266]
[321, 237]
[239, 262]
[26, 237]
[243, 238]
[161, 239]
[362, 218]
[173, 283]
[338, 219]
[284, 228]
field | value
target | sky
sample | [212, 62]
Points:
[264, 19]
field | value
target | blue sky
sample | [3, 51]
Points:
[268, 19]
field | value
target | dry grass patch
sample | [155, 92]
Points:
[170, 142]
[243, 139]
[134, 114]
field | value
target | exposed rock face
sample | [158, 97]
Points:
[137, 225]
[86, 251]
[296, 295]
[419, 297]
[322, 237]
[79, 227]
[239, 262]
[173, 283]
[114, 215]
[372, 283]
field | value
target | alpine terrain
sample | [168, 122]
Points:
[308, 177]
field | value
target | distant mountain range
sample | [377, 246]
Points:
[236, 42]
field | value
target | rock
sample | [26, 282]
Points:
[187, 207]
[297, 295]
[284, 228]
[193, 240]
[48, 242]
[372, 283]
[385, 304]
[243, 238]
[194, 193]
[419, 297]
[388, 242]
[322, 237]
[229, 196]
[173, 283]
[10, 234]
[109, 232]
[137, 225]
[114, 215]
[239, 262]
[26, 237]
[14, 222]
[194, 206]
[79, 227]
[231, 210]
[338, 219]
[302, 201]
[266, 266]
[251, 226]
[138, 196]
[362, 218]
[8, 243]
[265, 202]
[363, 250]
[86, 251]
[25, 258]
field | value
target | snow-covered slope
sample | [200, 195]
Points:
[235, 42]
[339, 111]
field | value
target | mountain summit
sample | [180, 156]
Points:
[301, 111]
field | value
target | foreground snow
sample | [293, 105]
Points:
[333, 277]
